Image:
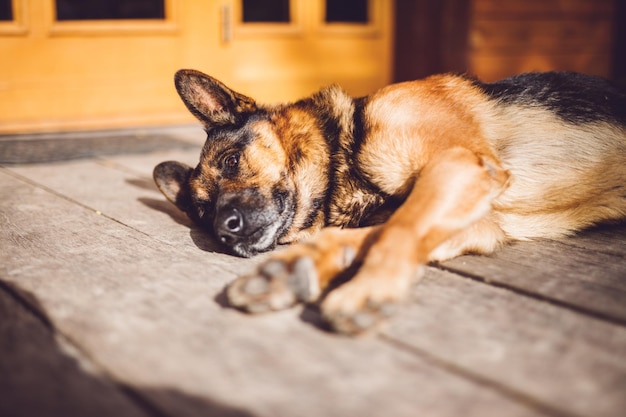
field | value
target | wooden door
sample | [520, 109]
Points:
[60, 72]
[68, 66]
[318, 45]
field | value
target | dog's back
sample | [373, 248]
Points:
[562, 136]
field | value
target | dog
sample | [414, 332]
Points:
[381, 185]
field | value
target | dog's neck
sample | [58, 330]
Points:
[352, 200]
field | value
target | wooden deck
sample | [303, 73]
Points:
[111, 304]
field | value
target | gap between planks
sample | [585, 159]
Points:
[576, 308]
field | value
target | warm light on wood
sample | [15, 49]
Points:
[101, 74]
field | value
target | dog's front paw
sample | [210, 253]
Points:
[365, 302]
[277, 284]
[369, 316]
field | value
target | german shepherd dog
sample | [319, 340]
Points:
[380, 185]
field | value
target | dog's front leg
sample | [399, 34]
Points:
[301, 272]
[453, 190]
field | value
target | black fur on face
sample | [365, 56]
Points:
[245, 203]
[265, 172]
[233, 196]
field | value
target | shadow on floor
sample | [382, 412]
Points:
[39, 378]
[45, 147]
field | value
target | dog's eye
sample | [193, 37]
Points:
[231, 161]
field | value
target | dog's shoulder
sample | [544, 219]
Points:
[332, 104]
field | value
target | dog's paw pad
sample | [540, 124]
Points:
[384, 309]
[303, 280]
[370, 316]
[273, 268]
[276, 285]
[256, 286]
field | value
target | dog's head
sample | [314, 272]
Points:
[261, 179]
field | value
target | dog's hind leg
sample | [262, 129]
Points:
[453, 192]
[301, 272]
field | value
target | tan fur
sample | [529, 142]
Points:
[309, 174]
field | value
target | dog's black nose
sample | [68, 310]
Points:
[234, 222]
[229, 225]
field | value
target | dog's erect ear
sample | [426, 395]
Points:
[209, 100]
[172, 178]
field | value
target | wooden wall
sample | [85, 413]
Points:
[493, 39]
[430, 37]
[509, 37]
[619, 43]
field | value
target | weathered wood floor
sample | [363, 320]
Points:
[111, 305]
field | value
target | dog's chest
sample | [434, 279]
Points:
[353, 200]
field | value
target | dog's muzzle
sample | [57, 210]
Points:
[249, 225]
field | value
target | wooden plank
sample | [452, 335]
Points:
[608, 238]
[524, 385]
[150, 314]
[42, 376]
[565, 273]
[547, 269]
[569, 362]
[142, 165]
[124, 194]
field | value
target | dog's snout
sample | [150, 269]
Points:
[229, 224]
[248, 221]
